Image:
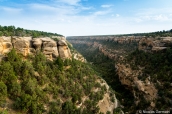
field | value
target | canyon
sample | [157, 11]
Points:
[52, 48]
[84, 74]
[117, 48]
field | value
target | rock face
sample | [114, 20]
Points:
[5, 45]
[155, 44]
[98, 42]
[63, 49]
[106, 104]
[47, 46]
[26, 45]
[142, 89]
[129, 78]
[22, 44]
[147, 44]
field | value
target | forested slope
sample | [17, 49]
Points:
[31, 83]
[136, 66]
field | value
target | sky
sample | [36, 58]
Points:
[88, 17]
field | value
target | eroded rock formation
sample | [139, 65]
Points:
[26, 45]
[155, 44]
[143, 89]
[63, 49]
[5, 45]
[129, 78]
[147, 44]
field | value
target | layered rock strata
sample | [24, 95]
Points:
[27, 45]
[129, 78]
[155, 44]
[141, 89]
[147, 44]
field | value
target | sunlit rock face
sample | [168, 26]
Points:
[47, 46]
[5, 45]
[63, 49]
[22, 45]
[155, 44]
[27, 45]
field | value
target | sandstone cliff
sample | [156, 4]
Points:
[27, 45]
[147, 44]
[111, 46]
[155, 44]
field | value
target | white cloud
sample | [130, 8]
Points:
[56, 9]
[86, 8]
[138, 20]
[152, 14]
[161, 18]
[69, 21]
[106, 6]
[69, 2]
[117, 15]
[101, 13]
[42, 7]
[11, 10]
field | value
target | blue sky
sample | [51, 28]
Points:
[88, 17]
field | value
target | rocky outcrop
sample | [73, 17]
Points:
[5, 45]
[113, 38]
[102, 43]
[155, 44]
[47, 46]
[129, 78]
[26, 45]
[22, 45]
[63, 49]
[106, 104]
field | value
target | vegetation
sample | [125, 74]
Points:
[36, 85]
[106, 69]
[12, 31]
[157, 66]
[167, 33]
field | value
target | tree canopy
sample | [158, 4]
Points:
[13, 31]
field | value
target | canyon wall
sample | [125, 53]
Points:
[27, 45]
[147, 44]
[117, 48]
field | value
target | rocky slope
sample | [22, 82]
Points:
[145, 91]
[51, 49]
[144, 43]
[108, 45]
[155, 44]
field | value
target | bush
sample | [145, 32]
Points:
[3, 91]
